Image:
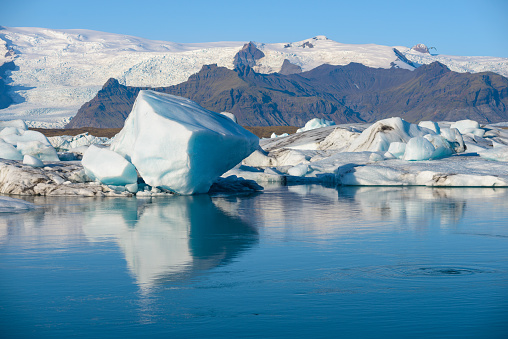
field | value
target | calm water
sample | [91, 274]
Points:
[297, 261]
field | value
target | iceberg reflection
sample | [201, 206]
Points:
[304, 211]
[171, 239]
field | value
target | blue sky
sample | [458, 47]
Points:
[454, 27]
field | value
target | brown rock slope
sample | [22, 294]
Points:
[352, 93]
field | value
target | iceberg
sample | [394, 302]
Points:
[315, 123]
[442, 148]
[418, 148]
[499, 153]
[108, 167]
[38, 150]
[274, 135]
[16, 141]
[379, 136]
[32, 161]
[465, 126]
[69, 143]
[8, 151]
[397, 149]
[177, 145]
[19, 124]
[433, 126]
[455, 138]
[388, 152]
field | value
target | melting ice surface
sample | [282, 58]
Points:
[294, 261]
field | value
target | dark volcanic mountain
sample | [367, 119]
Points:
[247, 56]
[352, 93]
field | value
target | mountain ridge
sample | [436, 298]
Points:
[57, 71]
[344, 94]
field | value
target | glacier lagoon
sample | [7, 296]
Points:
[293, 261]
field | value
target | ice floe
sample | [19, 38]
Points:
[315, 123]
[73, 143]
[171, 145]
[17, 141]
[389, 152]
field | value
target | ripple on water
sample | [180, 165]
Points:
[401, 271]
[442, 271]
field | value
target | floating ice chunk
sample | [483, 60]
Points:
[67, 142]
[388, 156]
[397, 149]
[480, 132]
[26, 136]
[374, 157]
[299, 170]
[369, 175]
[475, 148]
[315, 123]
[180, 146]
[442, 147]
[418, 148]
[14, 205]
[32, 161]
[11, 130]
[478, 144]
[20, 124]
[28, 143]
[455, 138]
[8, 151]
[464, 125]
[259, 158]
[132, 188]
[279, 136]
[379, 136]
[108, 167]
[38, 150]
[497, 153]
[230, 116]
[433, 126]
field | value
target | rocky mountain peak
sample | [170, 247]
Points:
[112, 82]
[289, 68]
[421, 48]
[248, 55]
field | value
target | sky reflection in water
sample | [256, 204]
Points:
[295, 260]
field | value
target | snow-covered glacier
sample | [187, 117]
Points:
[59, 70]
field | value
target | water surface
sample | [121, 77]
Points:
[294, 261]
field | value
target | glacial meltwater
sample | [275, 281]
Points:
[294, 261]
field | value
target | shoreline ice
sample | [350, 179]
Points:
[460, 154]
